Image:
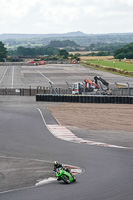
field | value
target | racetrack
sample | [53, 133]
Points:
[108, 171]
[58, 74]
[23, 134]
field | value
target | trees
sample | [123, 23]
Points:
[125, 52]
[47, 51]
[37, 51]
[3, 52]
[22, 51]
[63, 43]
[76, 56]
[64, 54]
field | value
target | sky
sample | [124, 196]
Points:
[61, 16]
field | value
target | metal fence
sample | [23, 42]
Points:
[122, 91]
[46, 90]
[33, 91]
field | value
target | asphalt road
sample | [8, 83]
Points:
[108, 171]
[58, 74]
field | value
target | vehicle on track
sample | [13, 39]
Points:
[88, 86]
[65, 176]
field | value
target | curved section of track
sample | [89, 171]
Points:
[108, 171]
[63, 133]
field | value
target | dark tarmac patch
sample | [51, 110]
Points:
[18, 173]
[113, 137]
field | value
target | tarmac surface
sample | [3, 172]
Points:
[58, 74]
[18, 173]
[108, 171]
[28, 149]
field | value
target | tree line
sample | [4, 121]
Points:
[46, 52]
[56, 53]
[124, 52]
[3, 52]
[36, 51]
[64, 43]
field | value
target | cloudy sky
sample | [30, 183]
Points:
[61, 16]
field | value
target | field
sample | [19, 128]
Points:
[116, 64]
[96, 57]
[82, 52]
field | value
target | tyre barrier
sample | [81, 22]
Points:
[85, 98]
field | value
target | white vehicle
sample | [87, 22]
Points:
[82, 88]
[88, 86]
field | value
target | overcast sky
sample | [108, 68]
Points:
[61, 16]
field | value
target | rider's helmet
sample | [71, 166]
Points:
[56, 163]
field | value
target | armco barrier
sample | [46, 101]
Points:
[85, 98]
[131, 100]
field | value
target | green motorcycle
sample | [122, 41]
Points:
[61, 174]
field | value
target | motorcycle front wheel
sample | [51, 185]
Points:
[65, 179]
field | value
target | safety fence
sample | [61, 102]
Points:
[30, 91]
[122, 91]
[85, 98]
[18, 91]
[33, 91]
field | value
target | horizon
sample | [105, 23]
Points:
[66, 33]
[58, 17]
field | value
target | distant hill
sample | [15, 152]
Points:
[115, 36]
[75, 34]
[12, 41]
[24, 36]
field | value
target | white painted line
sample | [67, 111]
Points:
[44, 76]
[42, 116]
[57, 121]
[57, 126]
[12, 77]
[66, 136]
[71, 136]
[64, 132]
[3, 75]
[13, 190]
[59, 130]
[20, 158]
[59, 135]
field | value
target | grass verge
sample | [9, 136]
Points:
[111, 69]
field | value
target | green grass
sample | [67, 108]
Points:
[118, 64]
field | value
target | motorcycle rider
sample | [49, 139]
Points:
[59, 165]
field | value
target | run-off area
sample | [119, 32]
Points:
[18, 173]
